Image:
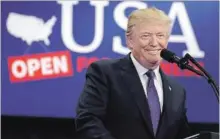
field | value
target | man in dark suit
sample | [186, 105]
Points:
[131, 97]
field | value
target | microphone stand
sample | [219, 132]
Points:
[183, 64]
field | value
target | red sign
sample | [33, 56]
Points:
[40, 66]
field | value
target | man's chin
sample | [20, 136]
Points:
[154, 64]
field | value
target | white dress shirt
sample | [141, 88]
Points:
[144, 79]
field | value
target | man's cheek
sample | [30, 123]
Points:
[163, 45]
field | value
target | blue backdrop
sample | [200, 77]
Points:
[195, 30]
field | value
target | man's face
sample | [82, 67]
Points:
[147, 40]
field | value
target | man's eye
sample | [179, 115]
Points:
[160, 35]
[145, 36]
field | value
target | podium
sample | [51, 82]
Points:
[204, 135]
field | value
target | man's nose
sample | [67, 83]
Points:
[154, 41]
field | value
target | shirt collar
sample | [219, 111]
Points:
[142, 70]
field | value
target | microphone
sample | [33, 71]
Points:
[181, 62]
[169, 56]
[184, 64]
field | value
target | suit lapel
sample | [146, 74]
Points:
[130, 77]
[167, 114]
[133, 83]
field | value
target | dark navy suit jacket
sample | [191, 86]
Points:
[113, 105]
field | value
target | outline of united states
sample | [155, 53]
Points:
[30, 28]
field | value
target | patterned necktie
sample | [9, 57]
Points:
[153, 100]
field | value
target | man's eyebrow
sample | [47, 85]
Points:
[160, 33]
[146, 32]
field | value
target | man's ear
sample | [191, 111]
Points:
[129, 42]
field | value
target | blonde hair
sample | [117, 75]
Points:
[149, 14]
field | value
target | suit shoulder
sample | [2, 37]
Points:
[106, 63]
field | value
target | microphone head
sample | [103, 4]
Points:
[167, 55]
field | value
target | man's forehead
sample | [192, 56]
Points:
[151, 32]
[149, 27]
